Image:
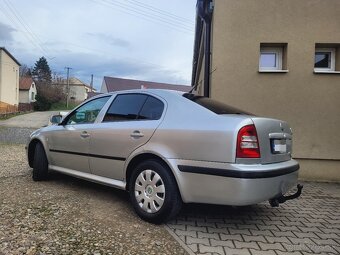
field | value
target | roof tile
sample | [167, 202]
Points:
[117, 84]
[25, 83]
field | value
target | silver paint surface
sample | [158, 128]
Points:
[186, 134]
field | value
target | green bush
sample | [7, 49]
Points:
[41, 103]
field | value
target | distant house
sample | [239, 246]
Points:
[92, 94]
[111, 84]
[27, 90]
[9, 82]
[78, 89]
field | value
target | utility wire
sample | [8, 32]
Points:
[146, 17]
[104, 53]
[166, 13]
[156, 13]
[24, 32]
[152, 16]
[128, 9]
[26, 26]
[19, 21]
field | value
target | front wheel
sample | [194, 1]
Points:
[153, 192]
[40, 163]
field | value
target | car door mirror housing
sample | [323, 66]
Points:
[55, 119]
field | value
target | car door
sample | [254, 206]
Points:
[129, 122]
[69, 142]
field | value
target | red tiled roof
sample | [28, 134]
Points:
[25, 83]
[117, 84]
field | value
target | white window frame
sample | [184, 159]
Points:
[278, 51]
[332, 66]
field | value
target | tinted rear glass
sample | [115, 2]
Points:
[213, 105]
[152, 109]
[125, 107]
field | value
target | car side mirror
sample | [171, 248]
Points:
[56, 119]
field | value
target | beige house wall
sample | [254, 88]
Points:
[78, 92]
[9, 80]
[309, 102]
[103, 89]
[25, 96]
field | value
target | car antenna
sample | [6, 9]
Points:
[194, 87]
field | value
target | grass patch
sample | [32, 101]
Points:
[7, 116]
[60, 106]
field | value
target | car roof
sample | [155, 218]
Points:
[153, 91]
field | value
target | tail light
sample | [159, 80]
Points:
[247, 143]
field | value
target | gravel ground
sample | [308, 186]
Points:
[69, 216]
[14, 134]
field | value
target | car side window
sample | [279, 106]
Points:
[88, 112]
[152, 109]
[125, 107]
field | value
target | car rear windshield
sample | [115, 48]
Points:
[213, 105]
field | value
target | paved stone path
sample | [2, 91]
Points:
[308, 225]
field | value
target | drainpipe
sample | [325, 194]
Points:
[204, 10]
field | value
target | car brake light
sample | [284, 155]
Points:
[247, 143]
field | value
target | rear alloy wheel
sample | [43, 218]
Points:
[40, 163]
[154, 193]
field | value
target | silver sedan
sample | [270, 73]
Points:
[168, 147]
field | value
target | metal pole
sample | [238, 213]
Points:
[68, 86]
[91, 83]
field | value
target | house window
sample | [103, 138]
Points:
[324, 59]
[32, 96]
[271, 58]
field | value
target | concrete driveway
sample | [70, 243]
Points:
[30, 120]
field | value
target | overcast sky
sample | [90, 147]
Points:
[139, 39]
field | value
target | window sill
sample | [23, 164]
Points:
[273, 71]
[326, 72]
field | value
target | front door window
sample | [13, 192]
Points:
[88, 112]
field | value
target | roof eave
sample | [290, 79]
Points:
[11, 56]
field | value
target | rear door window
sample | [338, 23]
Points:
[152, 109]
[125, 107]
[129, 107]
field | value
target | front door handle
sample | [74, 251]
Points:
[136, 134]
[84, 134]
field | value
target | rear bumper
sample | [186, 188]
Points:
[233, 184]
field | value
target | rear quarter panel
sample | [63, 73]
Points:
[189, 131]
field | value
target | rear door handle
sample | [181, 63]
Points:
[84, 134]
[136, 134]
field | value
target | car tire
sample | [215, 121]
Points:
[40, 163]
[154, 193]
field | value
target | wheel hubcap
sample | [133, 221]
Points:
[149, 191]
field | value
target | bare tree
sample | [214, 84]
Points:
[24, 71]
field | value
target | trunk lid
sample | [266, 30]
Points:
[275, 139]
